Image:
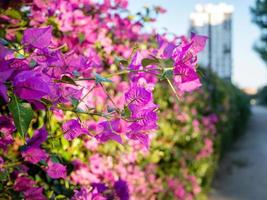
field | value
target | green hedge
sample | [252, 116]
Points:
[233, 107]
[262, 96]
[178, 144]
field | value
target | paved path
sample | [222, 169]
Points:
[243, 171]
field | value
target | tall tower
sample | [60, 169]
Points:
[215, 21]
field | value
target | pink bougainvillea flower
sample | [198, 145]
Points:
[160, 9]
[56, 170]
[4, 52]
[180, 192]
[62, 93]
[139, 136]
[177, 188]
[198, 42]
[6, 72]
[121, 189]
[195, 185]
[31, 85]
[214, 118]
[186, 79]
[101, 187]
[82, 194]
[76, 62]
[40, 135]
[50, 60]
[207, 149]
[142, 114]
[144, 120]
[98, 191]
[135, 65]
[165, 49]
[1, 163]
[109, 130]
[3, 91]
[184, 55]
[82, 175]
[18, 65]
[145, 117]
[98, 164]
[34, 155]
[34, 193]
[6, 125]
[73, 129]
[37, 37]
[138, 96]
[122, 3]
[23, 183]
[6, 128]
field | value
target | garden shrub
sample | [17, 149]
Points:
[262, 96]
[93, 107]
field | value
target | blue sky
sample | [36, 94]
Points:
[248, 69]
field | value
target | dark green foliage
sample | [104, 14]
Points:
[22, 114]
[262, 96]
[234, 108]
[177, 142]
[259, 17]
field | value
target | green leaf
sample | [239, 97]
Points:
[200, 72]
[110, 109]
[3, 175]
[122, 61]
[22, 114]
[79, 110]
[81, 37]
[76, 73]
[67, 79]
[148, 61]
[167, 73]
[126, 112]
[19, 55]
[100, 79]
[74, 102]
[33, 63]
[167, 63]
[43, 162]
[18, 36]
[13, 13]
[60, 196]
[46, 102]
[4, 41]
[54, 158]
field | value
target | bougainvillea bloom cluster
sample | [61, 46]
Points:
[75, 75]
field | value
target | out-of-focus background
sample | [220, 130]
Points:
[248, 70]
[236, 52]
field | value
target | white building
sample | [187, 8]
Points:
[215, 21]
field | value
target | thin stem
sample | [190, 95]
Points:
[121, 73]
[82, 99]
[173, 89]
[83, 112]
[11, 164]
[109, 97]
